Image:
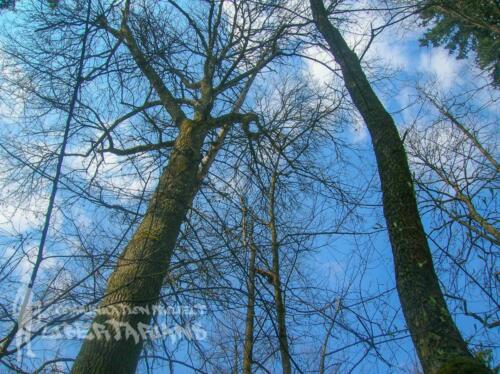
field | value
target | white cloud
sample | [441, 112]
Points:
[320, 73]
[440, 64]
[393, 53]
[10, 106]
[359, 131]
[22, 216]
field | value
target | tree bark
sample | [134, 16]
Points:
[438, 342]
[142, 267]
[278, 296]
[250, 315]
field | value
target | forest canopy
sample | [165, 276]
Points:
[240, 186]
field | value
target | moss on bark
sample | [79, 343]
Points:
[432, 329]
[143, 265]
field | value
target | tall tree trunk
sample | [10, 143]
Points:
[250, 315]
[437, 340]
[278, 296]
[143, 265]
[236, 368]
[324, 347]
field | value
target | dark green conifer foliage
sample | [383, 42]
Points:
[7, 4]
[464, 26]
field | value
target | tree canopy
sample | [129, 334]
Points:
[226, 186]
[465, 27]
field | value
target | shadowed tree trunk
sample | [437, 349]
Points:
[250, 315]
[438, 342]
[114, 342]
[236, 356]
[142, 267]
[278, 296]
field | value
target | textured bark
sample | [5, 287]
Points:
[278, 296]
[435, 335]
[143, 265]
[250, 314]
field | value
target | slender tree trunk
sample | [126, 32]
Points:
[324, 347]
[236, 368]
[473, 138]
[438, 342]
[250, 316]
[19, 324]
[278, 296]
[143, 265]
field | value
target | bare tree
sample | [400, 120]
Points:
[145, 44]
[436, 337]
[203, 166]
[452, 149]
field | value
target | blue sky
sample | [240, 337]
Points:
[397, 52]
